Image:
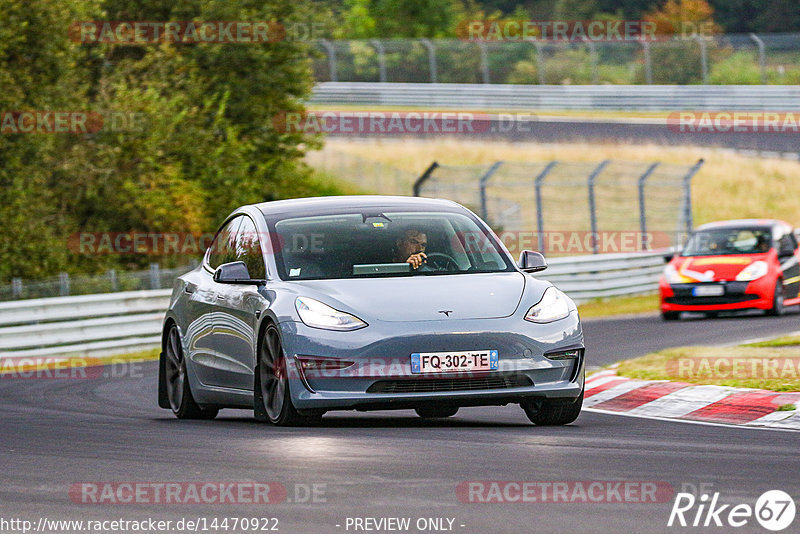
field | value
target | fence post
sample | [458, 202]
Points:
[329, 48]
[539, 62]
[642, 211]
[703, 58]
[592, 209]
[687, 195]
[484, 61]
[592, 58]
[155, 276]
[425, 175]
[762, 57]
[648, 63]
[381, 59]
[537, 184]
[427, 43]
[482, 184]
[63, 284]
[16, 288]
[112, 277]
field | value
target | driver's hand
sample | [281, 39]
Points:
[416, 260]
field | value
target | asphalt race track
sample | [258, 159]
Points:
[58, 433]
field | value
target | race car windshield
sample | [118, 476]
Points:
[381, 244]
[724, 241]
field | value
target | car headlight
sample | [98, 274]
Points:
[754, 271]
[318, 315]
[672, 275]
[553, 306]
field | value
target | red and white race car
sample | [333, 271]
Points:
[733, 265]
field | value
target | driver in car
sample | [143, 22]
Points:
[410, 248]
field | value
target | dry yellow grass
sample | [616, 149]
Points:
[729, 185]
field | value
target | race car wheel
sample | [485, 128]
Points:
[178, 391]
[777, 299]
[670, 316]
[436, 412]
[552, 413]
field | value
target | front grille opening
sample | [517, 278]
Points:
[435, 385]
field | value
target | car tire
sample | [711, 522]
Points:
[670, 316]
[549, 413]
[436, 412]
[176, 383]
[777, 300]
[271, 396]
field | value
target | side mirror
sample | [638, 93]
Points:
[668, 257]
[785, 250]
[531, 262]
[234, 272]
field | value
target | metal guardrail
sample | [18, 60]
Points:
[569, 97]
[113, 323]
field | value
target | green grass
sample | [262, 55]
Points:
[619, 306]
[783, 341]
[696, 365]
[786, 408]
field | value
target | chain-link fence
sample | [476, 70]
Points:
[570, 207]
[111, 281]
[719, 59]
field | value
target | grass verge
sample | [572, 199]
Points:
[776, 368]
[609, 307]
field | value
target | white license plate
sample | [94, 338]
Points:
[708, 291]
[443, 362]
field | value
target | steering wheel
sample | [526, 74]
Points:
[442, 262]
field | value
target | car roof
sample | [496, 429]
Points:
[322, 205]
[745, 223]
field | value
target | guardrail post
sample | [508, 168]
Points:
[329, 48]
[539, 62]
[484, 61]
[642, 211]
[482, 184]
[648, 63]
[762, 57]
[427, 43]
[537, 184]
[112, 278]
[381, 59]
[16, 288]
[687, 195]
[155, 276]
[63, 284]
[592, 209]
[703, 58]
[422, 179]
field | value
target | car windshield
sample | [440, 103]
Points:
[721, 241]
[381, 244]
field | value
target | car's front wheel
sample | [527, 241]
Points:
[433, 412]
[178, 391]
[777, 299]
[272, 401]
[550, 413]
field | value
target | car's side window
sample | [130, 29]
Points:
[223, 248]
[248, 249]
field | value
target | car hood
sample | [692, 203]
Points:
[714, 268]
[424, 298]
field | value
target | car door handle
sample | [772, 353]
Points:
[188, 289]
[220, 296]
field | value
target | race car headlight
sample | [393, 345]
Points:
[553, 306]
[318, 315]
[671, 274]
[754, 271]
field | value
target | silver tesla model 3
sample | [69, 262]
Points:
[364, 303]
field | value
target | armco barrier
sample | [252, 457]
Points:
[577, 97]
[97, 325]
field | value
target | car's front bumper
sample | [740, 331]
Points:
[736, 296]
[381, 377]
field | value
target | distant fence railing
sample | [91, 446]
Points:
[103, 324]
[717, 59]
[110, 281]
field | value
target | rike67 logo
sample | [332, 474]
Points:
[774, 510]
